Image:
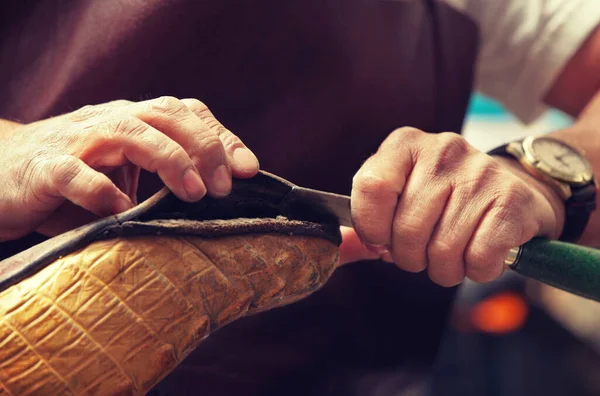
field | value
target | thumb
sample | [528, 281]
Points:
[352, 249]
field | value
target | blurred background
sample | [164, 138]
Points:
[515, 336]
[488, 124]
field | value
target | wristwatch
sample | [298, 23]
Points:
[563, 168]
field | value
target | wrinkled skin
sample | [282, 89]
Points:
[92, 158]
[434, 202]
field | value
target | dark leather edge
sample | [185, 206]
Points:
[262, 197]
[221, 228]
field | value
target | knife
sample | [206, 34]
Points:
[566, 266]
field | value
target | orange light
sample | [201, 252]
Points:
[500, 314]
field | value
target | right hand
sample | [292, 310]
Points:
[67, 158]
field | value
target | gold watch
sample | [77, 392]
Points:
[565, 169]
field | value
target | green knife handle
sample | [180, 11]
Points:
[566, 266]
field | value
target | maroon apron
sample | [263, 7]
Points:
[312, 87]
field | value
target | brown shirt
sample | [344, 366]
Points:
[312, 87]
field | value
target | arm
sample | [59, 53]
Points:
[435, 203]
[7, 126]
[576, 91]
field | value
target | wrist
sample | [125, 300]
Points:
[7, 127]
[550, 194]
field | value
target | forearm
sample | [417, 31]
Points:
[584, 134]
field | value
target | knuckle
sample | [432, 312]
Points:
[210, 144]
[230, 141]
[85, 113]
[406, 133]
[215, 125]
[63, 172]
[203, 112]
[401, 136]
[169, 105]
[99, 186]
[169, 153]
[196, 105]
[126, 127]
[451, 149]
[369, 182]
[483, 173]
[175, 153]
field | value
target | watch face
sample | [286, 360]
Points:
[560, 160]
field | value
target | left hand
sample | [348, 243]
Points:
[427, 201]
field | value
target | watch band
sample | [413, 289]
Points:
[577, 208]
[577, 211]
[501, 150]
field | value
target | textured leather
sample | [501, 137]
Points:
[118, 315]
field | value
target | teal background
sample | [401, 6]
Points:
[481, 107]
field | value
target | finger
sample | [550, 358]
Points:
[131, 140]
[73, 179]
[484, 257]
[375, 190]
[513, 218]
[419, 209]
[465, 207]
[243, 161]
[174, 119]
[445, 251]
[352, 249]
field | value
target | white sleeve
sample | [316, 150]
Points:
[524, 46]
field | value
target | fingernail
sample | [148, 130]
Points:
[377, 249]
[245, 160]
[120, 206]
[192, 184]
[221, 180]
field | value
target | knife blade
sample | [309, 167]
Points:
[335, 204]
[294, 201]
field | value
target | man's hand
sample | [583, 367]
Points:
[68, 158]
[427, 201]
